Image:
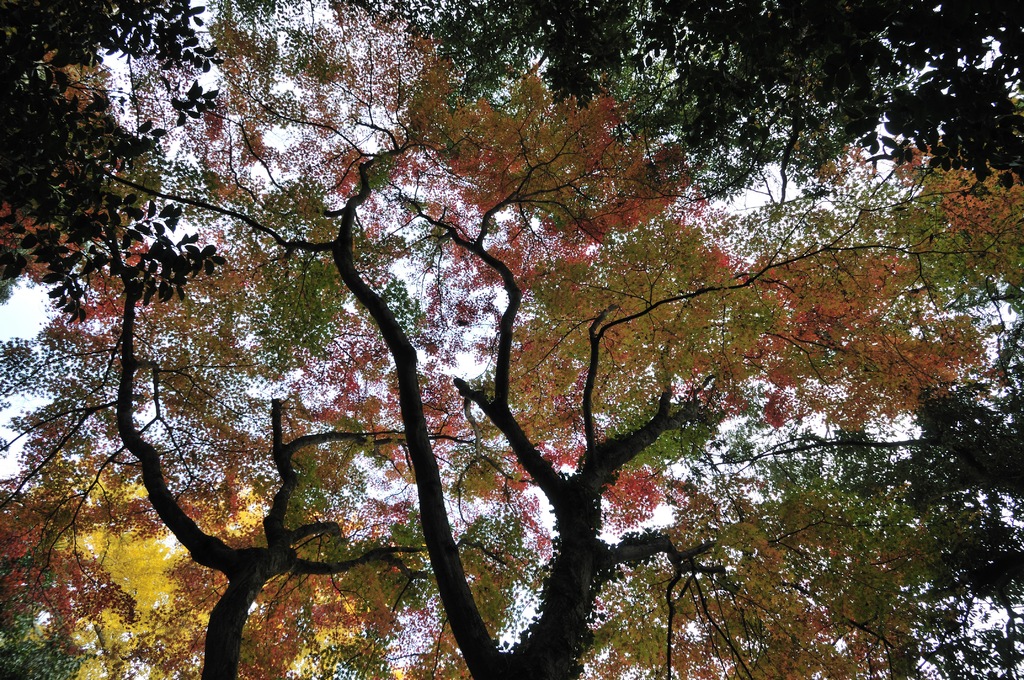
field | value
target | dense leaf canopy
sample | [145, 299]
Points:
[63, 137]
[755, 82]
[380, 364]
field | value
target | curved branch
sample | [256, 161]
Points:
[749, 278]
[497, 409]
[386, 555]
[325, 438]
[609, 456]
[314, 529]
[814, 442]
[288, 245]
[670, 605]
[640, 548]
[205, 549]
[526, 453]
[273, 523]
[478, 648]
[506, 325]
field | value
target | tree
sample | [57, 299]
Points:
[437, 319]
[945, 481]
[64, 137]
[765, 82]
[955, 471]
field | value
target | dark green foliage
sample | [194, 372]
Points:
[962, 478]
[61, 142]
[28, 651]
[967, 480]
[755, 82]
[968, 467]
[24, 656]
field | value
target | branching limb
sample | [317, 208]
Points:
[205, 549]
[484, 549]
[506, 325]
[609, 456]
[387, 555]
[776, 262]
[526, 453]
[273, 523]
[815, 443]
[670, 603]
[467, 623]
[588, 387]
[288, 244]
[497, 409]
[640, 548]
[721, 630]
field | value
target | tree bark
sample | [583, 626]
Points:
[562, 634]
[227, 620]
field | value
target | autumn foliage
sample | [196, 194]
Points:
[480, 384]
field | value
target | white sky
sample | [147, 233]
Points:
[22, 316]
[25, 313]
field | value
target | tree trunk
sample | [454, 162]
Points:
[561, 635]
[227, 620]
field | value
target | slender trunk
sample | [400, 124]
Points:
[478, 648]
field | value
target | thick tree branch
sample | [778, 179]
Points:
[205, 549]
[314, 529]
[609, 456]
[497, 409]
[640, 548]
[467, 624]
[386, 555]
[273, 523]
[526, 453]
[302, 442]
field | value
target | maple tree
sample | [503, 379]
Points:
[467, 384]
[953, 469]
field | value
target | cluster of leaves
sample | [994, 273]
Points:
[765, 82]
[63, 138]
[953, 484]
[29, 651]
[954, 474]
[126, 600]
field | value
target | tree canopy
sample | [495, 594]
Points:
[384, 363]
[757, 82]
[63, 137]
